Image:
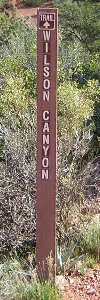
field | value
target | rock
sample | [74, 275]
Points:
[88, 287]
[91, 292]
[1, 266]
[24, 275]
[71, 280]
[1, 270]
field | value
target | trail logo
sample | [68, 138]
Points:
[47, 21]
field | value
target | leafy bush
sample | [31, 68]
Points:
[18, 126]
[4, 4]
[83, 263]
[18, 285]
[74, 108]
[90, 239]
[33, 2]
[80, 20]
[33, 291]
[18, 43]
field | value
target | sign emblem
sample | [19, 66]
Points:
[47, 21]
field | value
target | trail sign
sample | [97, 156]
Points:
[47, 21]
[46, 140]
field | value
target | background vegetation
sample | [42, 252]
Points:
[78, 132]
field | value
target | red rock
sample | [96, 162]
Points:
[91, 292]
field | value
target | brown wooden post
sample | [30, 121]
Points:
[46, 141]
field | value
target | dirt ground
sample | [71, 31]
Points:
[28, 13]
[78, 287]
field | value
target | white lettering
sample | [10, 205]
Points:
[45, 162]
[43, 18]
[46, 139]
[46, 128]
[45, 150]
[46, 71]
[45, 60]
[46, 84]
[46, 95]
[46, 47]
[46, 35]
[45, 174]
[49, 17]
[46, 115]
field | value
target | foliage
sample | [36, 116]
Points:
[33, 291]
[18, 42]
[4, 4]
[15, 284]
[90, 239]
[83, 250]
[78, 125]
[16, 99]
[85, 264]
[74, 109]
[18, 130]
[80, 21]
[33, 2]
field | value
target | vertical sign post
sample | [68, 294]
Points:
[46, 140]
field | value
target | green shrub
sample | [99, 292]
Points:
[4, 4]
[90, 239]
[16, 285]
[86, 263]
[34, 291]
[33, 2]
